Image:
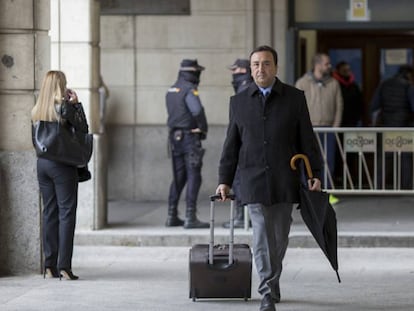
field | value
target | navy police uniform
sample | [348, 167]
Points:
[187, 125]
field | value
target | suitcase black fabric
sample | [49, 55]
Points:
[224, 272]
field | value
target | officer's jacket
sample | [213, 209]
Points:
[179, 114]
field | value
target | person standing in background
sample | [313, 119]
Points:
[242, 78]
[241, 75]
[353, 110]
[187, 125]
[352, 115]
[394, 98]
[325, 103]
[58, 182]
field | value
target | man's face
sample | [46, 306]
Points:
[263, 68]
[345, 71]
[324, 66]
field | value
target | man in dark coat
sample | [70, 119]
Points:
[269, 123]
[352, 115]
[394, 98]
[351, 93]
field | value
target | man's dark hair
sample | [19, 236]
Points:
[404, 71]
[265, 48]
[340, 64]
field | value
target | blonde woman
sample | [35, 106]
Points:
[58, 182]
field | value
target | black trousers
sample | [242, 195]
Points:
[187, 161]
[59, 188]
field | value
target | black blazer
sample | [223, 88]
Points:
[261, 139]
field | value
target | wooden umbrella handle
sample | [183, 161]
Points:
[307, 164]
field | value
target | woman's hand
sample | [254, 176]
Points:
[71, 96]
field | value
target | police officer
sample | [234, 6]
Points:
[241, 75]
[187, 125]
[241, 79]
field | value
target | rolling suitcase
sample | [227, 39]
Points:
[220, 271]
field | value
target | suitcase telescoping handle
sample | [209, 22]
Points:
[213, 198]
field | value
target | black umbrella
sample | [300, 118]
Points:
[319, 216]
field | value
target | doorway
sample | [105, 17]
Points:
[373, 55]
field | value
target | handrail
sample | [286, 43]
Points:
[362, 129]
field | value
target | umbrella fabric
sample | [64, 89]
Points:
[319, 216]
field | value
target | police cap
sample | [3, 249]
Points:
[190, 65]
[240, 63]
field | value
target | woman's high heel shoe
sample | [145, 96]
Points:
[67, 274]
[50, 272]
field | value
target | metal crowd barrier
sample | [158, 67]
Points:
[372, 161]
[368, 160]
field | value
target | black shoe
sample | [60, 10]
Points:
[174, 221]
[50, 272]
[195, 224]
[276, 300]
[267, 303]
[67, 274]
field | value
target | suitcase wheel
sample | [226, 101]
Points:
[193, 294]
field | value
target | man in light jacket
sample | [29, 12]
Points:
[325, 104]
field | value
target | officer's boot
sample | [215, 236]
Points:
[191, 220]
[173, 220]
[238, 220]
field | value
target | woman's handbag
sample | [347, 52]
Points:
[58, 141]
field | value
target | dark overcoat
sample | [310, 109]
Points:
[262, 138]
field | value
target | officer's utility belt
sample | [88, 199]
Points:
[178, 134]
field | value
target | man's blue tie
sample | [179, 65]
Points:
[265, 94]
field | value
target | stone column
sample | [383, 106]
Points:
[75, 50]
[263, 22]
[280, 30]
[270, 28]
[24, 59]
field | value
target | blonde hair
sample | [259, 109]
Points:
[51, 94]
